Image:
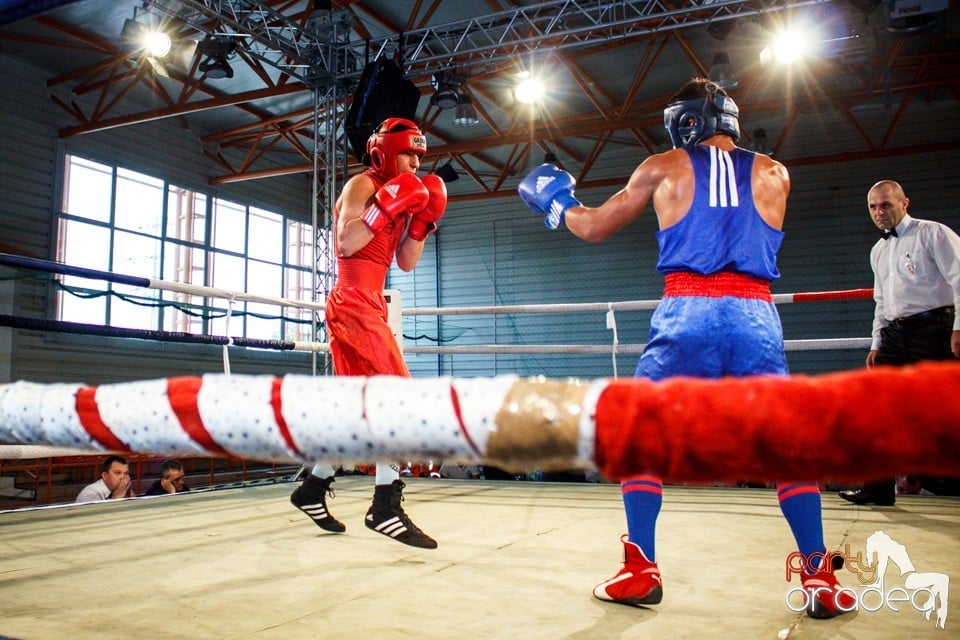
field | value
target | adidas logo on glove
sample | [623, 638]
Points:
[391, 189]
[548, 190]
[543, 182]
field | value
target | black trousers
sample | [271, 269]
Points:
[924, 336]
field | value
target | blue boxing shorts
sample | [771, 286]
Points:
[712, 337]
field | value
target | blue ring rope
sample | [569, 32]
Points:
[56, 267]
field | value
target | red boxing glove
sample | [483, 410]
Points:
[402, 194]
[425, 221]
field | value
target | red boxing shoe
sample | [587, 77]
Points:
[637, 583]
[824, 597]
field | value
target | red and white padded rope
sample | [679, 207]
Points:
[855, 425]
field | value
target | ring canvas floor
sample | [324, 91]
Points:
[515, 560]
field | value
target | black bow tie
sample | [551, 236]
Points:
[886, 234]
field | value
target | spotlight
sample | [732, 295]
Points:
[529, 90]
[466, 113]
[447, 173]
[136, 37]
[446, 88]
[216, 68]
[157, 43]
[217, 51]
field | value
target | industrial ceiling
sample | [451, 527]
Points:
[265, 85]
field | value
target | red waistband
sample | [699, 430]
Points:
[360, 274]
[716, 285]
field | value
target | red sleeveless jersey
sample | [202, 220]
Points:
[383, 247]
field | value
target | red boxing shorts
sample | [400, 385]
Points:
[361, 342]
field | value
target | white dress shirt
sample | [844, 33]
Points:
[915, 271]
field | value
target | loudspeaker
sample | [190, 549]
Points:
[383, 92]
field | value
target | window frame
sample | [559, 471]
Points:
[165, 316]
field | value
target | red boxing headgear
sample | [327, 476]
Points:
[392, 137]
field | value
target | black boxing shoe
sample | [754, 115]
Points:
[386, 516]
[311, 498]
[881, 494]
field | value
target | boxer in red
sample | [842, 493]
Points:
[386, 212]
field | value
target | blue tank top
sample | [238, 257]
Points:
[723, 230]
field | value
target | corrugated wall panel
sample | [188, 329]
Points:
[27, 167]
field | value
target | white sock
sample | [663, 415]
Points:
[322, 470]
[386, 472]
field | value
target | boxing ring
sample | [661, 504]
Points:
[799, 427]
[513, 555]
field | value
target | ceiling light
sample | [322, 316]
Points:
[446, 86]
[529, 90]
[788, 46]
[157, 43]
[466, 113]
[217, 50]
[216, 68]
[721, 72]
[145, 36]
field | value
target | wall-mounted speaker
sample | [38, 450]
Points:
[383, 92]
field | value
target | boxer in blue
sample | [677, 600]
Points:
[720, 210]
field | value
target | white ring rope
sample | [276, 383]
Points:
[823, 344]
[226, 294]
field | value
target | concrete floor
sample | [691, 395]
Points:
[516, 560]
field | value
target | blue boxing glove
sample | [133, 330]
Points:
[548, 190]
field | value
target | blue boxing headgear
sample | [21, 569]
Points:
[690, 121]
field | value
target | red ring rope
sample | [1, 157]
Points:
[858, 425]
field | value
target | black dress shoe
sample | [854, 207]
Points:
[880, 494]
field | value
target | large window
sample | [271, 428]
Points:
[117, 220]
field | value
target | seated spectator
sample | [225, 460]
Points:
[171, 479]
[460, 471]
[114, 482]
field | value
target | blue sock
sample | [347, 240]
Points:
[642, 497]
[800, 503]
